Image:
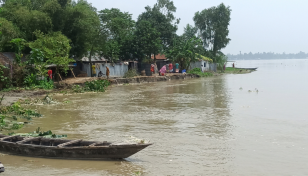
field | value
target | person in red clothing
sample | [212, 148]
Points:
[152, 68]
[170, 68]
[49, 74]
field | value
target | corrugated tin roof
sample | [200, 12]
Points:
[94, 58]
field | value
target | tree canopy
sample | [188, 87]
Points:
[112, 33]
[212, 25]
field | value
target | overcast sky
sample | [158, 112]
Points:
[256, 25]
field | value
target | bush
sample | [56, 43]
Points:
[96, 85]
[131, 73]
[197, 71]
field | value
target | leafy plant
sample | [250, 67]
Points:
[198, 71]
[78, 89]
[4, 80]
[30, 80]
[45, 84]
[17, 126]
[19, 45]
[39, 133]
[131, 73]
[96, 85]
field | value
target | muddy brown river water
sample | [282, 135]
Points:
[208, 126]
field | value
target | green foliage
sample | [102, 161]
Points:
[8, 31]
[197, 71]
[213, 25]
[131, 73]
[39, 133]
[147, 38]
[78, 89]
[55, 49]
[118, 26]
[161, 25]
[184, 51]
[92, 86]
[30, 80]
[19, 45]
[76, 20]
[17, 126]
[221, 60]
[3, 78]
[199, 56]
[96, 85]
[11, 114]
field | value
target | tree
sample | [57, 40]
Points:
[212, 27]
[76, 20]
[190, 31]
[184, 51]
[81, 22]
[119, 28]
[9, 32]
[19, 45]
[147, 39]
[54, 47]
[161, 17]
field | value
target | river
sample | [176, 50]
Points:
[236, 124]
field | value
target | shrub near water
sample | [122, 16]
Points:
[96, 85]
[131, 73]
[10, 115]
[197, 71]
[92, 86]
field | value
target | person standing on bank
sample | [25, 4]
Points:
[177, 67]
[170, 68]
[49, 74]
[93, 71]
[107, 72]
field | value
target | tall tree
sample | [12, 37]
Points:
[119, 28]
[161, 17]
[213, 26]
[55, 48]
[76, 20]
[184, 51]
[147, 39]
[190, 31]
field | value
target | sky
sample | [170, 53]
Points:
[256, 25]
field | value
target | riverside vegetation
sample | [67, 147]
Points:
[38, 37]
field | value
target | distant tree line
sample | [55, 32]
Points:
[268, 55]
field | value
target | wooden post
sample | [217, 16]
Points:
[73, 73]
[60, 76]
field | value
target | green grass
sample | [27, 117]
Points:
[197, 71]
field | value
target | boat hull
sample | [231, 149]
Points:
[83, 152]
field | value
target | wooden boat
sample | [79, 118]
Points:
[71, 149]
[253, 69]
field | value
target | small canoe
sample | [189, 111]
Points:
[70, 149]
[253, 69]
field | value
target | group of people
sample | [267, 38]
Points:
[100, 73]
[168, 68]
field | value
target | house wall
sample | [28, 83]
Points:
[204, 66]
[117, 70]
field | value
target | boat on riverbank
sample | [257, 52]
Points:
[252, 69]
[69, 149]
